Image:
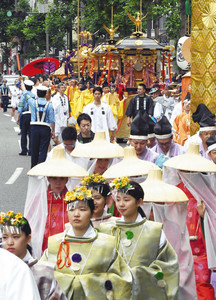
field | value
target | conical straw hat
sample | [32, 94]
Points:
[58, 166]
[98, 148]
[155, 190]
[191, 161]
[131, 165]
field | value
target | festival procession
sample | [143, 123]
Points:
[108, 151]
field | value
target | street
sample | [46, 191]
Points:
[13, 167]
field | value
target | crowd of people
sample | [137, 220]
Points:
[91, 237]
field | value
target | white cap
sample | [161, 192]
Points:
[29, 82]
[42, 88]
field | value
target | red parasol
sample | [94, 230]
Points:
[41, 66]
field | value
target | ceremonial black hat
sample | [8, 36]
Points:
[82, 81]
[187, 97]
[140, 126]
[206, 123]
[163, 129]
[202, 110]
[211, 143]
[151, 124]
[105, 83]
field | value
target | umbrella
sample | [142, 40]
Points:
[41, 66]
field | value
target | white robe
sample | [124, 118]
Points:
[16, 279]
[61, 110]
[102, 118]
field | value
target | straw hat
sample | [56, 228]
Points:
[130, 166]
[155, 190]
[58, 166]
[191, 161]
[186, 50]
[98, 148]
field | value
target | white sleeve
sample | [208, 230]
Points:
[17, 281]
[110, 119]
[158, 111]
[163, 239]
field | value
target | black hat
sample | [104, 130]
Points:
[151, 124]
[187, 98]
[202, 110]
[82, 81]
[211, 143]
[154, 90]
[140, 127]
[163, 129]
[206, 123]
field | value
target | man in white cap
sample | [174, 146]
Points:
[24, 117]
[42, 124]
[5, 93]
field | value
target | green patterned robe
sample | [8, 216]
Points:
[145, 258]
[100, 265]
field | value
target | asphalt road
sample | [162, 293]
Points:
[13, 167]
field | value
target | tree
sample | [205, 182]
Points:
[60, 22]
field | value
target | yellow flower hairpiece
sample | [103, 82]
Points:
[120, 183]
[78, 193]
[12, 219]
[93, 178]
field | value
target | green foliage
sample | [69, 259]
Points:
[61, 19]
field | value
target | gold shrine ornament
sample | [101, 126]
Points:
[139, 43]
[209, 15]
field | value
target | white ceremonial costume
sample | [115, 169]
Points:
[16, 279]
[61, 110]
[15, 93]
[102, 118]
[176, 111]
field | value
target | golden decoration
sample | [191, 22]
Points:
[209, 15]
[137, 21]
[111, 31]
[86, 35]
[139, 42]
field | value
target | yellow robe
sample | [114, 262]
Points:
[116, 105]
[76, 101]
[85, 98]
[100, 265]
[155, 269]
[70, 93]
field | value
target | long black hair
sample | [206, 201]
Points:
[137, 192]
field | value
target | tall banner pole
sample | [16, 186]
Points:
[78, 56]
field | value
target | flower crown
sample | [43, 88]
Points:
[120, 183]
[78, 193]
[12, 219]
[93, 178]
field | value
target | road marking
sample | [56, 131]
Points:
[16, 129]
[19, 142]
[14, 176]
[7, 115]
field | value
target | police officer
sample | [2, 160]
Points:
[42, 124]
[24, 117]
[5, 92]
